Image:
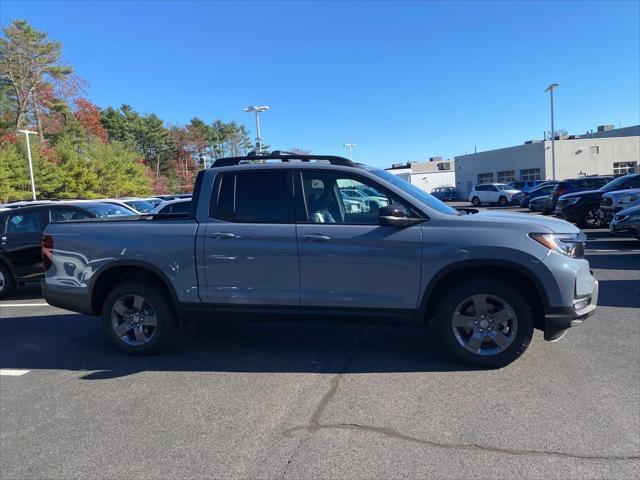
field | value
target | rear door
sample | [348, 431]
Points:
[349, 263]
[250, 246]
[21, 242]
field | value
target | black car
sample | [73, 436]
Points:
[576, 185]
[582, 207]
[21, 236]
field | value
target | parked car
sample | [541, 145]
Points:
[21, 234]
[370, 201]
[500, 193]
[274, 241]
[577, 185]
[583, 207]
[540, 204]
[524, 185]
[445, 193]
[612, 202]
[141, 206]
[181, 205]
[543, 189]
[627, 222]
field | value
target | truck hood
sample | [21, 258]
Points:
[537, 223]
[584, 193]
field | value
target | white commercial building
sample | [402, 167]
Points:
[427, 175]
[607, 151]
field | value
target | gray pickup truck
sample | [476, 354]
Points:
[275, 238]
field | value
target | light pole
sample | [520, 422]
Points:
[550, 89]
[350, 146]
[258, 109]
[33, 185]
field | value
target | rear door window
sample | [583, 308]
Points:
[255, 197]
[25, 222]
[595, 182]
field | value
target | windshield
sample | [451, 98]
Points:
[416, 192]
[140, 205]
[106, 210]
[615, 184]
[503, 186]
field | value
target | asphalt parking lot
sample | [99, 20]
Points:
[256, 400]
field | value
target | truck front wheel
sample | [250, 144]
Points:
[138, 319]
[484, 322]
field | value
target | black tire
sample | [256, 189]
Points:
[7, 282]
[475, 201]
[484, 286]
[156, 300]
[502, 201]
[589, 217]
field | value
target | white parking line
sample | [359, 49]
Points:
[24, 305]
[12, 372]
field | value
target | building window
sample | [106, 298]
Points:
[530, 174]
[622, 168]
[595, 149]
[506, 177]
[485, 178]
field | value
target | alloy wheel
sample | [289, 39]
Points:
[591, 218]
[484, 324]
[134, 320]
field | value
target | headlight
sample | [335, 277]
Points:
[569, 244]
[571, 201]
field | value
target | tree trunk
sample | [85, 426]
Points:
[36, 112]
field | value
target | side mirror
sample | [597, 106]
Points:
[395, 215]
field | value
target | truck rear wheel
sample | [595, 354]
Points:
[484, 322]
[138, 319]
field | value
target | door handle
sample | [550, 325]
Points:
[223, 235]
[316, 238]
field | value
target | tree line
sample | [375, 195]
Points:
[82, 150]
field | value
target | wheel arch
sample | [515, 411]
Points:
[127, 270]
[526, 282]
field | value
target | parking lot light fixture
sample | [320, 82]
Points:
[33, 185]
[349, 146]
[258, 109]
[550, 89]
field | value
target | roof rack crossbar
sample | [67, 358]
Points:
[283, 157]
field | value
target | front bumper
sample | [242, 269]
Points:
[558, 319]
[623, 227]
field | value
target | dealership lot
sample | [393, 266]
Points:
[257, 400]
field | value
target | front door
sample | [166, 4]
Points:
[250, 246]
[349, 263]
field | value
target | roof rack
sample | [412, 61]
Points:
[283, 157]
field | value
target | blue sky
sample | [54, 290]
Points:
[403, 80]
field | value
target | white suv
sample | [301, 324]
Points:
[499, 193]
